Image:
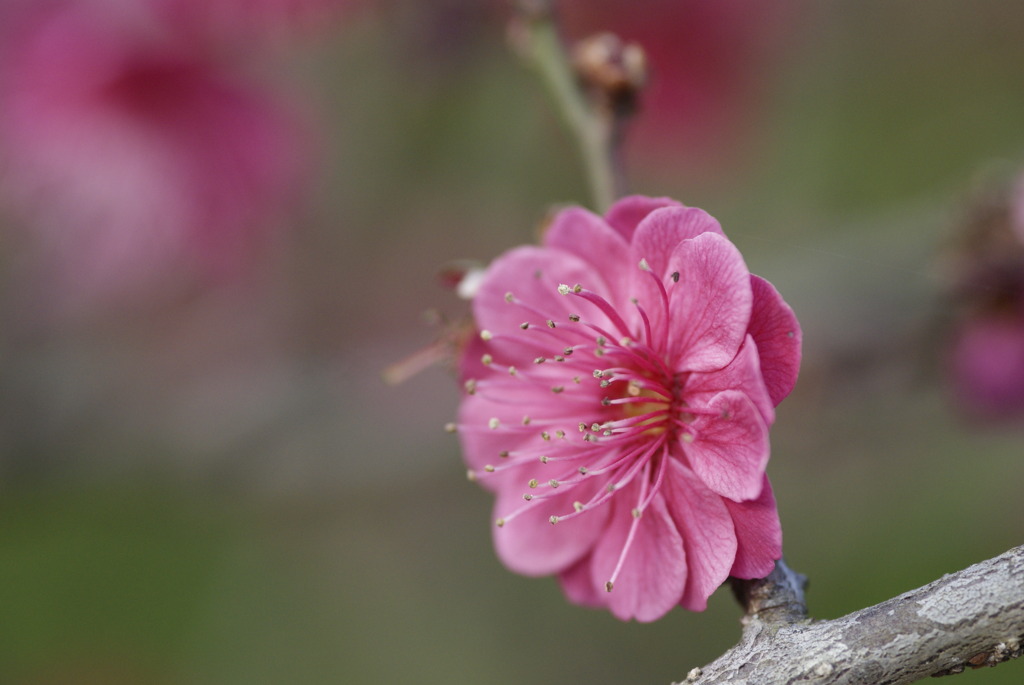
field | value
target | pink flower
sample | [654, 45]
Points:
[248, 19]
[618, 405]
[988, 366]
[129, 153]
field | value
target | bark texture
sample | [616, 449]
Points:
[973, 618]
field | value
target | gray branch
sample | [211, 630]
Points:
[972, 618]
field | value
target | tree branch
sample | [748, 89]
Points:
[971, 618]
[594, 122]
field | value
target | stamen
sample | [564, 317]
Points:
[631, 535]
[605, 307]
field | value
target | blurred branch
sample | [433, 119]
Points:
[971, 618]
[594, 120]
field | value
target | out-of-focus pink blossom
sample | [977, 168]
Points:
[618, 402]
[253, 19]
[130, 155]
[986, 357]
[988, 366]
[708, 59]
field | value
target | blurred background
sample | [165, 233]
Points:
[219, 226]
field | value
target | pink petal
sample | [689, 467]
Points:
[586, 235]
[731, 448]
[743, 373]
[708, 534]
[578, 585]
[530, 544]
[709, 305]
[777, 333]
[663, 229]
[759, 533]
[626, 214]
[532, 275]
[653, 575]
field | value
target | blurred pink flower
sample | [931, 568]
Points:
[129, 153]
[988, 366]
[622, 388]
[986, 306]
[248, 19]
[708, 62]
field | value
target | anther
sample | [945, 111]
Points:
[606, 402]
[539, 360]
[489, 469]
[567, 351]
[595, 427]
[608, 586]
[527, 496]
[544, 435]
[643, 265]
[509, 297]
[512, 371]
[577, 288]
[553, 520]
[543, 459]
[557, 389]
[559, 358]
[450, 428]
[598, 373]
[533, 483]
[503, 454]
[493, 423]
[583, 427]
[486, 335]
[575, 318]
[583, 470]
[526, 420]
[499, 523]
[687, 437]
[636, 513]
[563, 289]
[471, 476]
[470, 386]
[601, 341]
[578, 506]
[524, 325]
[553, 483]
[551, 324]
[560, 434]
[605, 384]
[487, 360]
[577, 380]
[675, 276]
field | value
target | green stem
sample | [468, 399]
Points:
[593, 127]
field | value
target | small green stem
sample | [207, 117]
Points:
[595, 128]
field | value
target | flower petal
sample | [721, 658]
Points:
[709, 305]
[777, 334]
[532, 275]
[653, 575]
[743, 373]
[759, 534]
[530, 544]
[578, 585]
[626, 214]
[586, 235]
[731, 447]
[661, 230]
[708, 534]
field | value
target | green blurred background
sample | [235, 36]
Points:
[221, 490]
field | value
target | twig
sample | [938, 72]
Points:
[595, 126]
[972, 618]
